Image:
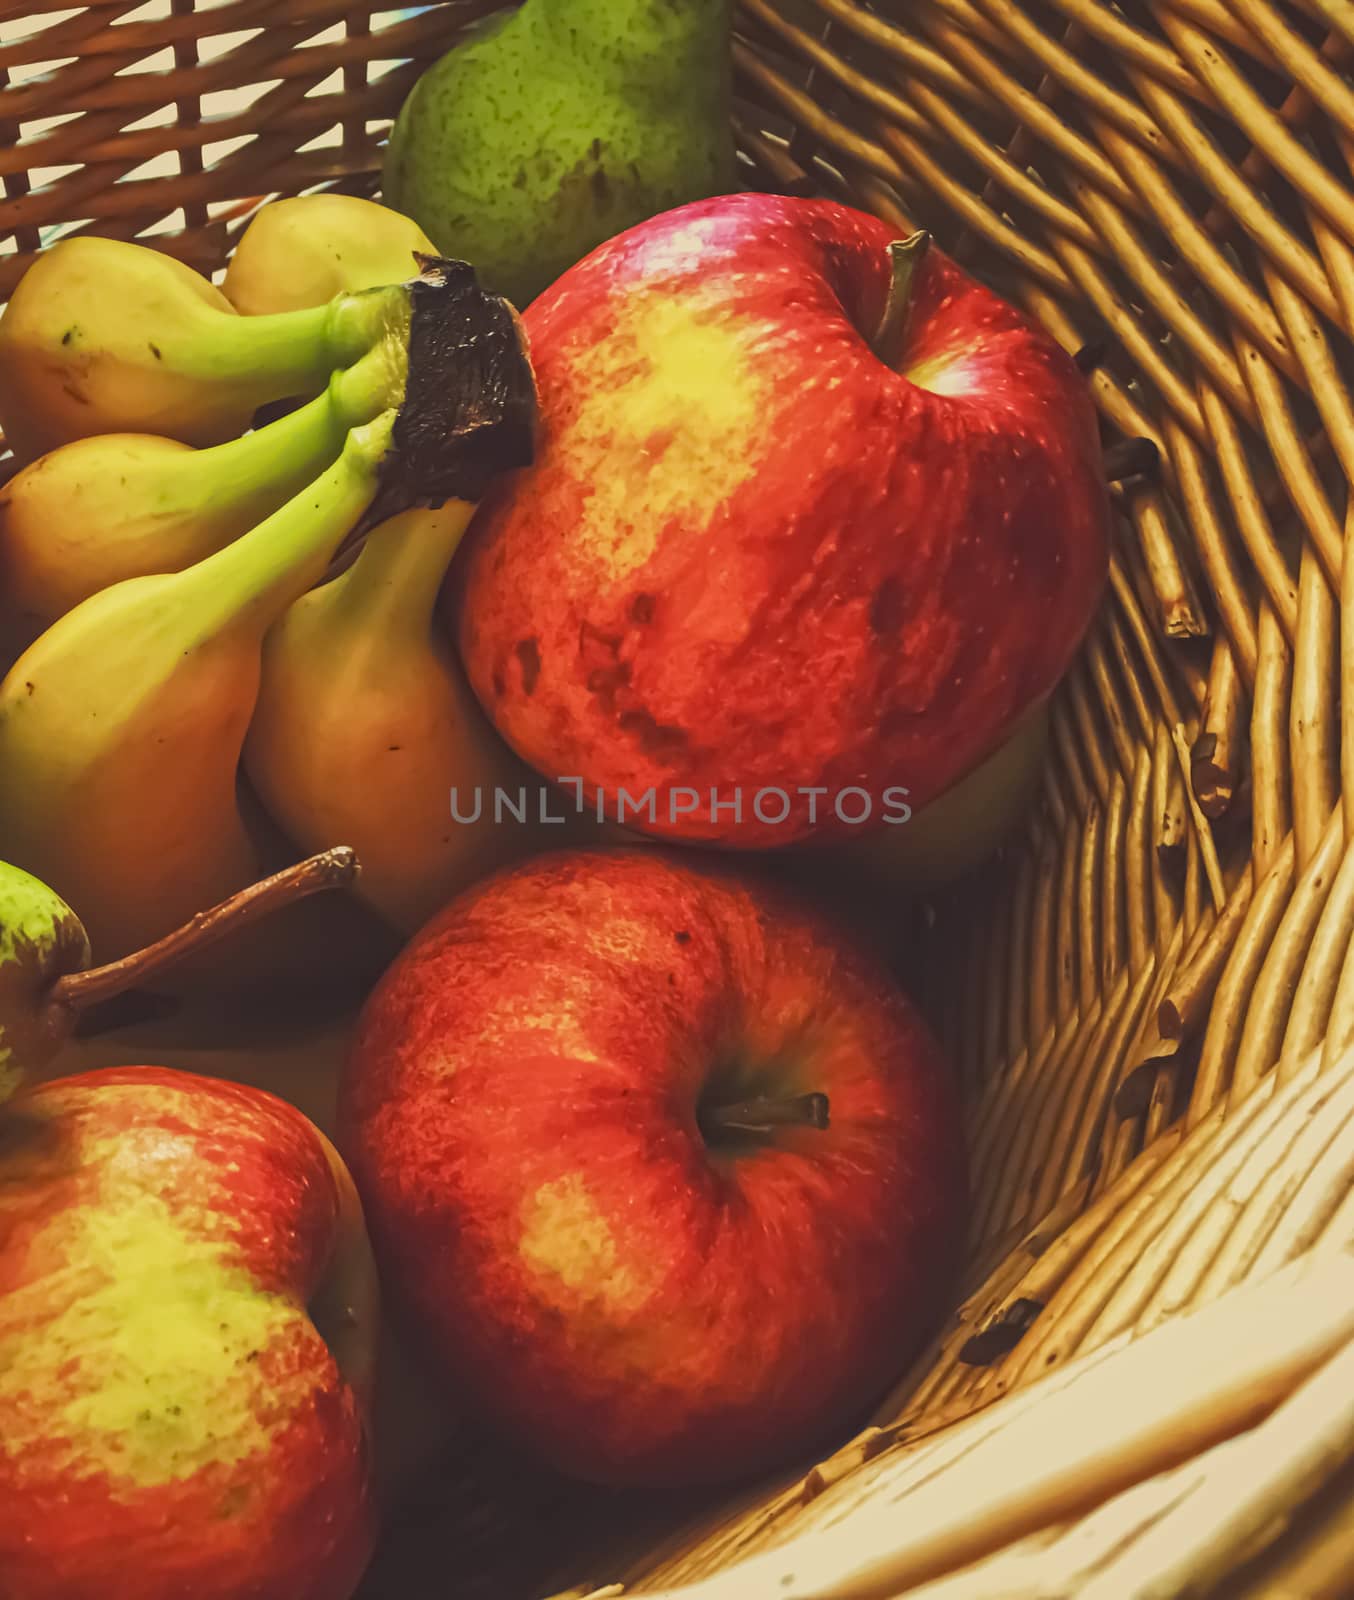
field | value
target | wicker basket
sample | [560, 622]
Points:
[1151, 998]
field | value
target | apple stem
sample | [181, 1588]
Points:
[331, 869]
[762, 1114]
[906, 256]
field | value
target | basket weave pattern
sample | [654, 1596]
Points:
[1151, 999]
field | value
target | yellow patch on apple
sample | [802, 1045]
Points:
[567, 1239]
[667, 425]
[149, 1363]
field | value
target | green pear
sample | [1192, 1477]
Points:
[549, 130]
[41, 940]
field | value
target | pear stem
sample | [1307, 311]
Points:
[762, 1114]
[906, 256]
[331, 869]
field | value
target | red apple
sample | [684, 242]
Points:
[173, 1253]
[580, 1109]
[807, 513]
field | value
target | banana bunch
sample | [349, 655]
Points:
[188, 635]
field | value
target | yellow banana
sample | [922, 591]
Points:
[121, 505]
[121, 727]
[365, 723]
[102, 336]
[303, 251]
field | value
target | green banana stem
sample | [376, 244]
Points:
[293, 352]
[281, 458]
[262, 572]
[444, 396]
[275, 462]
[391, 589]
[373, 383]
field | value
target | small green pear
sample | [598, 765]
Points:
[41, 940]
[45, 978]
[553, 128]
